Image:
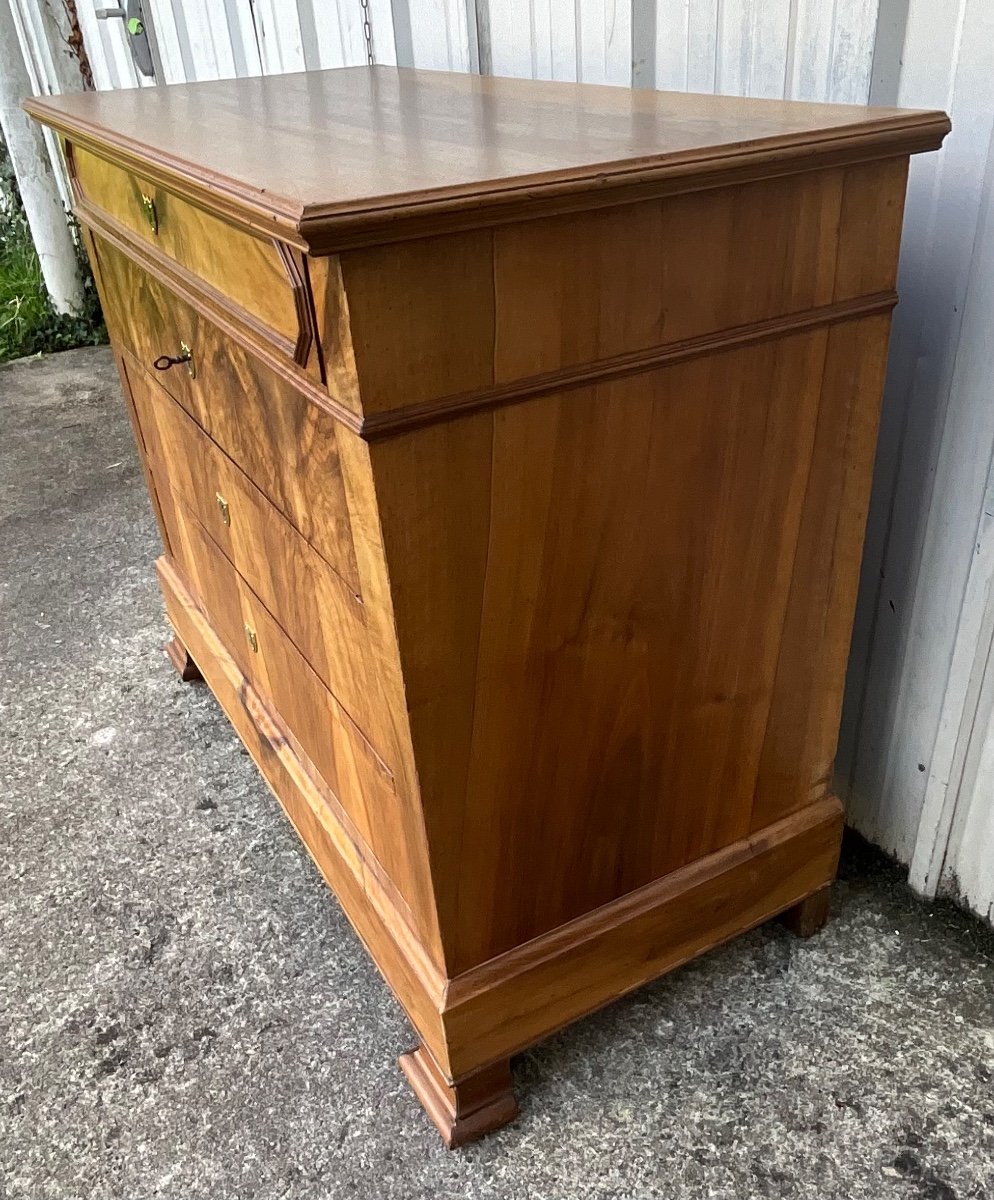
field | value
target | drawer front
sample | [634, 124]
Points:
[311, 602]
[321, 728]
[248, 272]
[285, 444]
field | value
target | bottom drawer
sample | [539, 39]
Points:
[323, 731]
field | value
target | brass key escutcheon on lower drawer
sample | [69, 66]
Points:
[253, 641]
[223, 509]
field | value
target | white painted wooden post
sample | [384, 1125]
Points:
[43, 30]
[36, 178]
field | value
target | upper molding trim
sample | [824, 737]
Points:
[387, 154]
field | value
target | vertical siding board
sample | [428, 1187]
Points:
[852, 53]
[561, 20]
[510, 37]
[381, 22]
[51, 68]
[771, 25]
[241, 31]
[604, 41]
[812, 58]
[920, 546]
[803, 49]
[174, 49]
[702, 46]
[281, 45]
[833, 51]
[753, 47]
[109, 57]
[209, 39]
[439, 34]
[956, 810]
[673, 45]
[337, 32]
[533, 39]
[810, 50]
[201, 39]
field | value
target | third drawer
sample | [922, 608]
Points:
[312, 603]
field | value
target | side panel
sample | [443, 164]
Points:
[803, 727]
[463, 314]
[591, 632]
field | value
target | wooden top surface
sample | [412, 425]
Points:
[323, 151]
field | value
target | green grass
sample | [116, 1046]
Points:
[28, 322]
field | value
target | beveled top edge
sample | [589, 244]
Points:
[336, 158]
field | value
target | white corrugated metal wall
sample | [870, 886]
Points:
[917, 749]
[917, 737]
[805, 49]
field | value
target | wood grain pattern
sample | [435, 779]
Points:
[685, 257]
[798, 241]
[872, 214]
[288, 446]
[370, 906]
[291, 155]
[272, 350]
[802, 728]
[656, 654]
[507, 1004]
[806, 919]
[247, 270]
[319, 728]
[526, 573]
[421, 316]
[179, 656]
[446, 408]
[317, 608]
[465, 1109]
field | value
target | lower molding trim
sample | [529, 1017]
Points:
[491, 1011]
[520, 997]
[392, 945]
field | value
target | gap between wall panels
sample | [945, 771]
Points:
[802, 49]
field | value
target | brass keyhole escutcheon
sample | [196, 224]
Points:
[253, 641]
[223, 508]
[148, 208]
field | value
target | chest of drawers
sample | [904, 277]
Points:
[511, 447]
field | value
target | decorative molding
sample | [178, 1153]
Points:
[321, 229]
[281, 356]
[448, 408]
[307, 334]
[179, 278]
[330, 231]
[514, 1000]
[332, 841]
[276, 353]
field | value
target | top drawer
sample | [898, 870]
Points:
[287, 445]
[252, 274]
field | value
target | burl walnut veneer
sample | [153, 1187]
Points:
[511, 445]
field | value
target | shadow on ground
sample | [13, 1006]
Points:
[185, 1012]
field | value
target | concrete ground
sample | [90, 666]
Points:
[185, 1013]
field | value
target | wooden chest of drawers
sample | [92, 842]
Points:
[511, 446]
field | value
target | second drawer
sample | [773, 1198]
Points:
[285, 443]
[311, 602]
